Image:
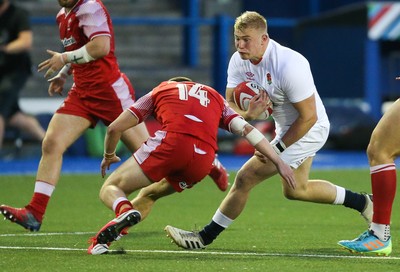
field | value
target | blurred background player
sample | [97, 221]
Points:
[16, 40]
[302, 128]
[100, 92]
[183, 149]
[383, 149]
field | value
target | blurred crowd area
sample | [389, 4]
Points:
[151, 48]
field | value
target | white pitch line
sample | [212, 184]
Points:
[45, 234]
[213, 253]
[179, 252]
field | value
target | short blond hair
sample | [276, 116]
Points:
[251, 19]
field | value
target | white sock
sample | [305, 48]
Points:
[340, 194]
[222, 219]
[44, 188]
[381, 231]
[117, 201]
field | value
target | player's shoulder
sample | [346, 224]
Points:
[283, 52]
[287, 58]
[236, 57]
[89, 7]
[214, 94]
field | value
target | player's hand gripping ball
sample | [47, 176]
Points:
[244, 92]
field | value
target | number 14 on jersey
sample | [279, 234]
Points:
[196, 92]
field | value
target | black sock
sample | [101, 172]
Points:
[210, 232]
[354, 200]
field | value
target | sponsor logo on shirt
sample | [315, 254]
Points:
[68, 41]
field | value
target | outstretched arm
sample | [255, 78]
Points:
[114, 131]
[93, 50]
[257, 139]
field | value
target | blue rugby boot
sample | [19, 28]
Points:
[368, 243]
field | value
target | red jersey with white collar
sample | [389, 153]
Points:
[86, 20]
[186, 107]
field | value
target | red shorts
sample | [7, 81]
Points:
[105, 103]
[182, 159]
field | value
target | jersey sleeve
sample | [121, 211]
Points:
[93, 20]
[143, 107]
[227, 115]
[297, 81]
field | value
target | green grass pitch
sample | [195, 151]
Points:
[272, 234]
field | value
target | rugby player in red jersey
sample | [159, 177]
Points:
[182, 151]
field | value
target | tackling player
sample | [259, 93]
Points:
[182, 150]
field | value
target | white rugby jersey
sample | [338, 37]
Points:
[287, 77]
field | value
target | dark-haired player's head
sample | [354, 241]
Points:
[180, 79]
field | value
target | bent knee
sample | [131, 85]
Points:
[372, 151]
[379, 154]
[290, 195]
[245, 180]
[51, 146]
[104, 191]
[296, 194]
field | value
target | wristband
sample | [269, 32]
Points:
[279, 147]
[62, 59]
[79, 56]
[62, 74]
[109, 156]
[65, 69]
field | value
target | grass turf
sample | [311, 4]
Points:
[272, 234]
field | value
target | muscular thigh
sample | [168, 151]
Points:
[302, 173]
[135, 136]
[65, 129]
[128, 176]
[254, 171]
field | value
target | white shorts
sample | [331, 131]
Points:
[306, 147]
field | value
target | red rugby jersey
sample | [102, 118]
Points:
[186, 107]
[88, 19]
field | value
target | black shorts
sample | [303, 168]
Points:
[11, 85]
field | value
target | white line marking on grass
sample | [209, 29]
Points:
[212, 253]
[45, 234]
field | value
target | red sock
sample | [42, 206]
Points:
[118, 210]
[383, 180]
[38, 205]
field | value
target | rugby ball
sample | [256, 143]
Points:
[244, 92]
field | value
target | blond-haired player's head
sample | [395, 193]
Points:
[251, 19]
[251, 35]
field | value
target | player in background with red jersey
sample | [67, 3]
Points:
[182, 150]
[100, 93]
